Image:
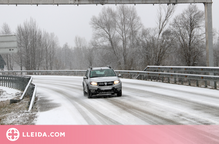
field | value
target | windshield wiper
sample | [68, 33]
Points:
[94, 76]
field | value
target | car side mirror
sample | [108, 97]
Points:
[84, 77]
[119, 75]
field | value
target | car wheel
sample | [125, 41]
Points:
[84, 91]
[89, 94]
[119, 93]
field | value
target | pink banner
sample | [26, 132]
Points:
[75, 134]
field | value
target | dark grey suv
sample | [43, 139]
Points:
[101, 81]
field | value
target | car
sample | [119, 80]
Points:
[100, 81]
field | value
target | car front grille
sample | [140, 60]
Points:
[105, 83]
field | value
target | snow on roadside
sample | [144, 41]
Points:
[8, 93]
[15, 113]
[196, 94]
[64, 113]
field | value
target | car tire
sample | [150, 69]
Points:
[119, 94]
[89, 94]
[84, 91]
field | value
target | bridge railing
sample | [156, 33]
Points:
[184, 69]
[145, 75]
[211, 71]
[180, 74]
[22, 83]
[173, 74]
[44, 72]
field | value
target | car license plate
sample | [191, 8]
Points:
[106, 88]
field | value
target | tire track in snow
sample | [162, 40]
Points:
[203, 109]
[80, 105]
[143, 114]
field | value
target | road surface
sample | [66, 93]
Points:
[61, 101]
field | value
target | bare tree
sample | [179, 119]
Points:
[128, 26]
[104, 27]
[22, 40]
[102, 55]
[45, 51]
[145, 47]
[49, 47]
[53, 48]
[155, 44]
[163, 43]
[90, 55]
[27, 44]
[216, 48]
[36, 49]
[80, 53]
[216, 55]
[59, 59]
[67, 56]
[188, 29]
[117, 30]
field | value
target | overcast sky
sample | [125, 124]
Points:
[70, 21]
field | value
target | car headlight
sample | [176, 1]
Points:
[116, 82]
[93, 83]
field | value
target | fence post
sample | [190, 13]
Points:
[6, 81]
[175, 78]
[9, 82]
[3, 81]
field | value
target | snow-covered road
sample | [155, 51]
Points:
[61, 101]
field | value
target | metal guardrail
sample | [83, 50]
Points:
[161, 73]
[16, 82]
[171, 75]
[22, 83]
[26, 88]
[184, 69]
[211, 71]
[44, 72]
[32, 100]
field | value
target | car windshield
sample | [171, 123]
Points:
[102, 73]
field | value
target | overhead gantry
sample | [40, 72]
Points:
[83, 2]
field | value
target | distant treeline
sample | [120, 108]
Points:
[119, 39]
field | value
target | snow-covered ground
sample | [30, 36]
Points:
[14, 113]
[8, 93]
[61, 101]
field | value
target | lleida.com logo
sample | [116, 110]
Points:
[13, 134]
